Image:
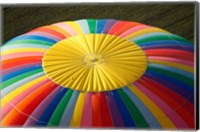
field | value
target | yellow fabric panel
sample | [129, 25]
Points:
[6, 99]
[77, 115]
[173, 64]
[76, 27]
[21, 50]
[144, 31]
[155, 110]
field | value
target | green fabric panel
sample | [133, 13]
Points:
[135, 113]
[38, 42]
[20, 77]
[92, 25]
[171, 74]
[162, 37]
[57, 115]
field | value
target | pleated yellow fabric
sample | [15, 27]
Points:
[94, 62]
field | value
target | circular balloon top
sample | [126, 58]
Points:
[98, 73]
[94, 62]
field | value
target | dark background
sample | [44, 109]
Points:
[177, 18]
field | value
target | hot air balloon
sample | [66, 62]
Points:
[101, 73]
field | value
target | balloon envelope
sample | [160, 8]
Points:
[102, 73]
